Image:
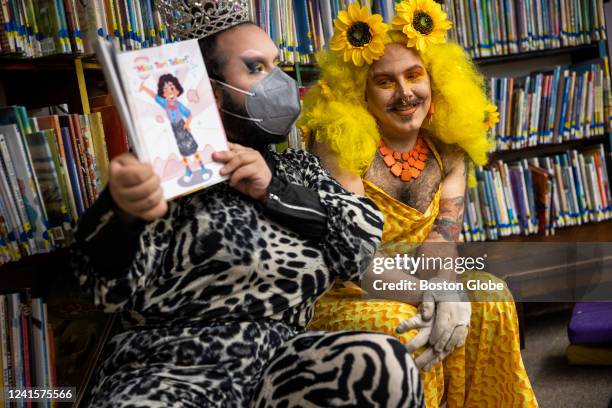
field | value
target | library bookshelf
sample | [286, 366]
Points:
[79, 330]
[73, 80]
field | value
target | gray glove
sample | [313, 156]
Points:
[443, 321]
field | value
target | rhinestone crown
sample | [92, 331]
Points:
[187, 19]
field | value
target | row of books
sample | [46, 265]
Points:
[568, 103]
[53, 167]
[538, 195]
[489, 28]
[485, 28]
[302, 27]
[35, 28]
[27, 350]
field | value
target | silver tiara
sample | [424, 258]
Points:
[200, 18]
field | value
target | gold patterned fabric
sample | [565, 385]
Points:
[404, 223]
[487, 371]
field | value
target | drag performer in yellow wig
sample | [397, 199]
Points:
[398, 115]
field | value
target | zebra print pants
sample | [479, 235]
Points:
[255, 364]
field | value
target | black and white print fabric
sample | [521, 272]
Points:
[216, 294]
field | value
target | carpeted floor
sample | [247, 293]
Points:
[556, 383]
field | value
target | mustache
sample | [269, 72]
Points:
[403, 103]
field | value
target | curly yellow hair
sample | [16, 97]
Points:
[335, 112]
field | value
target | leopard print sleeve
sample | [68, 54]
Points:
[354, 224]
[113, 262]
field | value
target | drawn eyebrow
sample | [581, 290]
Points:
[388, 73]
[252, 54]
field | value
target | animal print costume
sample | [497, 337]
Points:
[216, 295]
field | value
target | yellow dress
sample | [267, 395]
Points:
[487, 371]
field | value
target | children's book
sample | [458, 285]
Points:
[165, 100]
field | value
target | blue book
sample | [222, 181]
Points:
[517, 193]
[148, 23]
[131, 11]
[571, 182]
[577, 105]
[493, 199]
[579, 185]
[64, 36]
[563, 113]
[72, 170]
[553, 104]
[530, 192]
[304, 45]
[335, 8]
[568, 187]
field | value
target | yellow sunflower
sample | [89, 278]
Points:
[359, 36]
[491, 116]
[423, 22]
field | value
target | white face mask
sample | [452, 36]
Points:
[272, 104]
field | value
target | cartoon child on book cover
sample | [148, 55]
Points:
[168, 90]
[176, 122]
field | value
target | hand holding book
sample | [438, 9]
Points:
[165, 100]
[247, 170]
[136, 189]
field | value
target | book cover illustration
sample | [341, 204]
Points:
[172, 105]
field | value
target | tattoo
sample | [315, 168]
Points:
[450, 219]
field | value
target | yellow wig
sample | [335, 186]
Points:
[335, 112]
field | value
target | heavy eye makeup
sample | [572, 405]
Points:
[254, 66]
[258, 65]
[414, 74]
[384, 82]
[411, 75]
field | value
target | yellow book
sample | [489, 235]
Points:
[99, 146]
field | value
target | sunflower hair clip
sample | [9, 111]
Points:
[359, 37]
[422, 21]
[491, 116]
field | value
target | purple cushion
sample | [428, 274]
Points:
[591, 323]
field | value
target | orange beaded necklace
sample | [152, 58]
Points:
[406, 165]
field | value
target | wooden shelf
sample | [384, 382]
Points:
[38, 272]
[591, 232]
[49, 63]
[66, 61]
[578, 53]
[581, 52]
[546, 149]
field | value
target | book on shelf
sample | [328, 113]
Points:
[53, 168]
[488, 28]
[485, 28]
[553, 106]
[165, 100]
[115, 134]
[36, 28]
[26, 346]
[538, 195]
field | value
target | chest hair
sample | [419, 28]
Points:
[416, 193]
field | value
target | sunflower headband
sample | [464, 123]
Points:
[360, 37]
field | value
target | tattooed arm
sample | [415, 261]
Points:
[446, 228]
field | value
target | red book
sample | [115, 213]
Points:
[26, 321]
[115, 134]
[602, 191]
